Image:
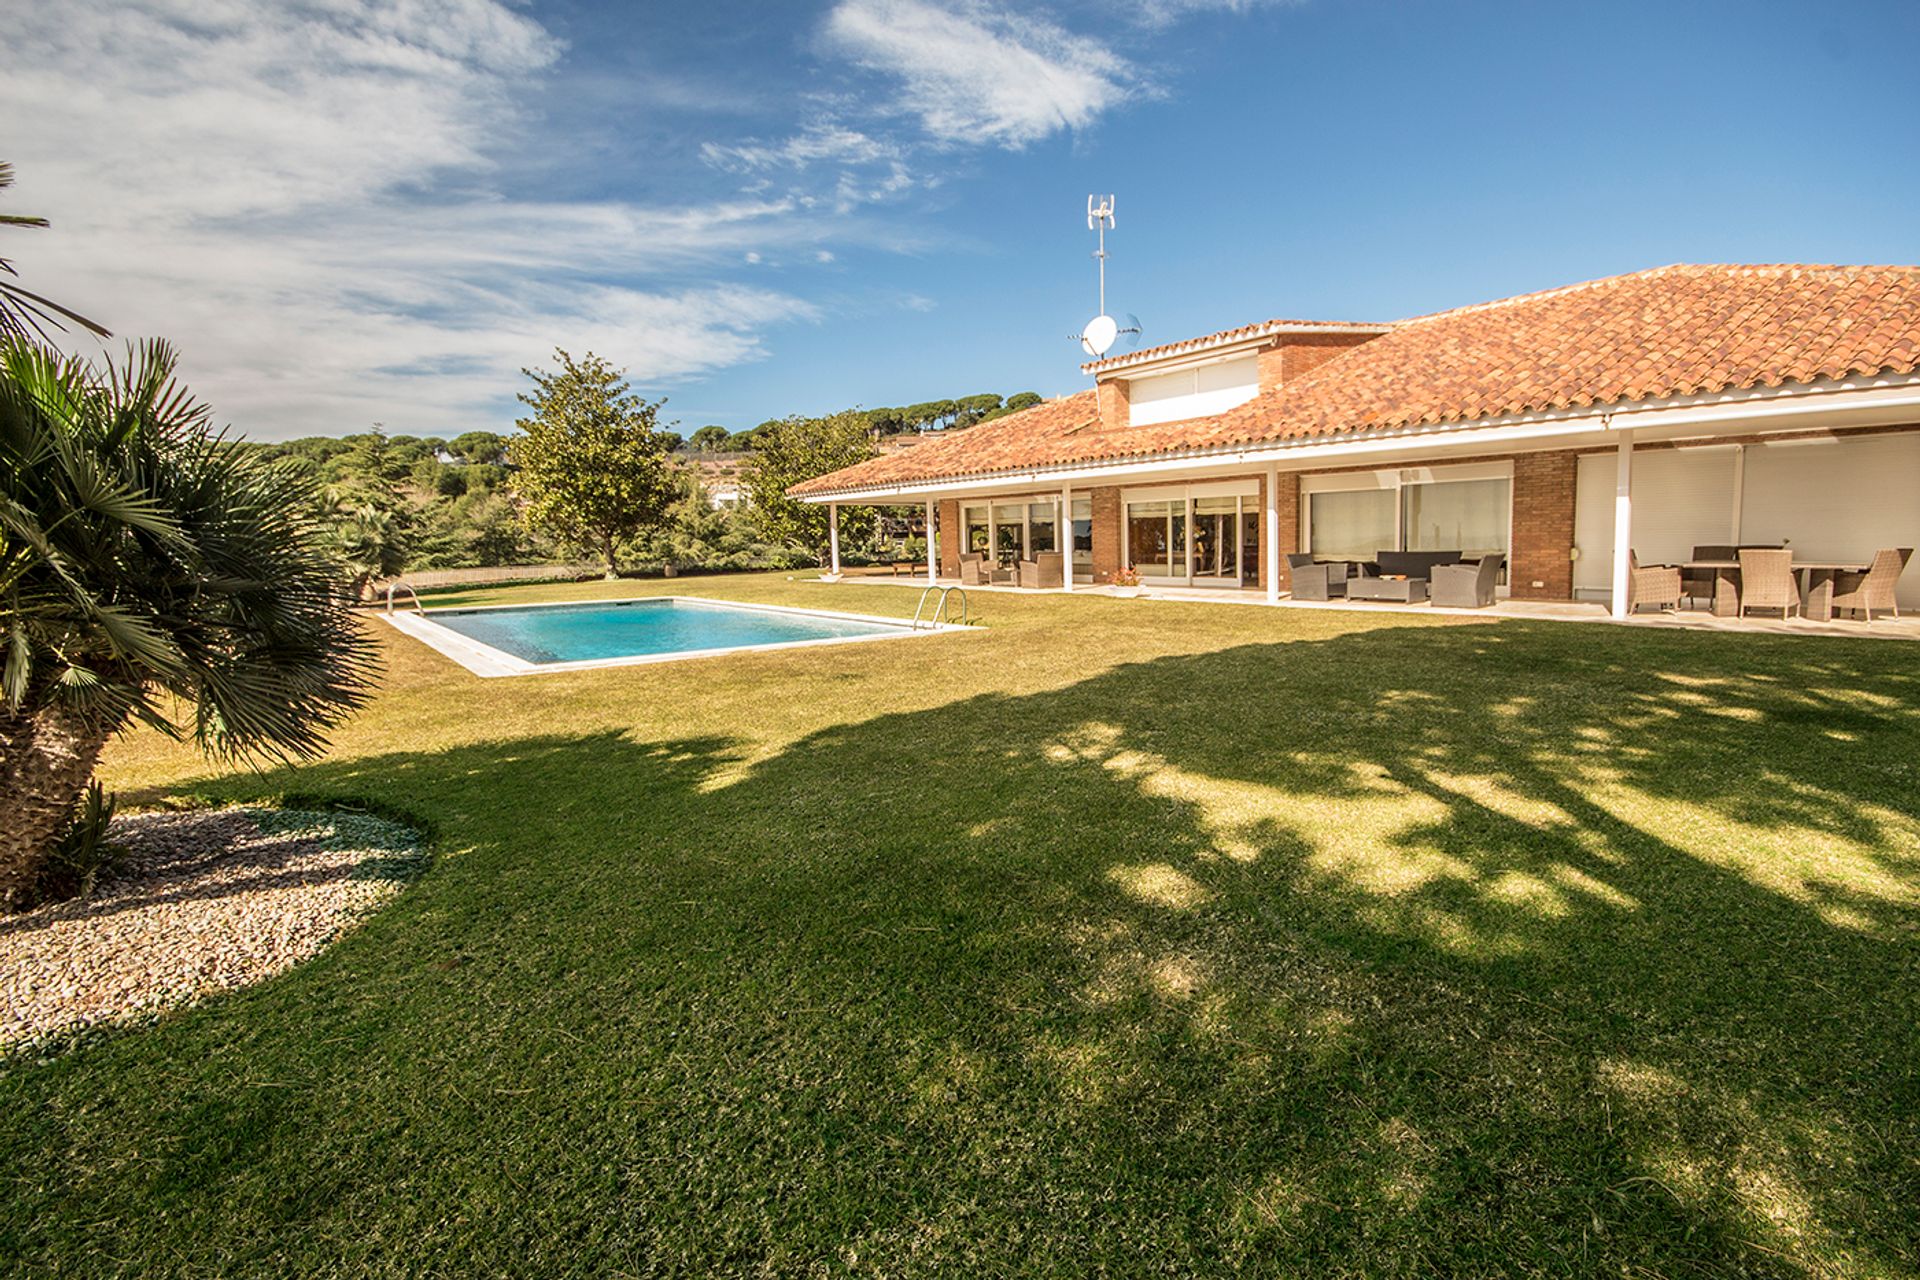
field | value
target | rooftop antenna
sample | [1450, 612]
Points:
[1101, 331]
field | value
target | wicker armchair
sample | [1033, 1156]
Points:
[1317, 580]
[1041, 571]
[1865, 592]
[1466, 586]
[1767, 581]
[974, 570]
[1655, 584]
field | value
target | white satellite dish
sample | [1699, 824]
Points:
[1099, 334]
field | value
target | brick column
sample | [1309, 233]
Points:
[951, 538]
[1289, 524]
[1109, 533]
[1543, 489]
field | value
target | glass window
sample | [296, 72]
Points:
[1083, 531]
[1009, 530]
[1468, 516]
[1216, 541]
[1147, 545]
[1353, 524]
[976, 529]
[1250, 566]
[1040, 522]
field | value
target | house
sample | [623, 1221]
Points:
[1652, 412]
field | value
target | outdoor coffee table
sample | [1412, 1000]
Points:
[1398, 590]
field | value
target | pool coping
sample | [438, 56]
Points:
[490, 663]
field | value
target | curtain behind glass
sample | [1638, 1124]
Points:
[1468, 516]
[1353, 524]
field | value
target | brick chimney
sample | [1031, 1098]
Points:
[1295, 355]
[1111, 394]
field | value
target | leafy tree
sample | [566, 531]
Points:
[709, 439]
[479, 447]
[24, 315]
[1022, 400]
[149, 572]
[972, 409]
[593, 467]
[799, 449]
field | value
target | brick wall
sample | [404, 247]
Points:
[1543, 490]
[952, 537]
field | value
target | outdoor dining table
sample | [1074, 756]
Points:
[1819, 590]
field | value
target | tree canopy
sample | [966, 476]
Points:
[592, 463]
[796, 449]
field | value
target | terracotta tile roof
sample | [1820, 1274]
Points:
[1681, 330]
[1226, 338]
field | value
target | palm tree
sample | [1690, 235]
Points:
[151, 573]
[24, 314]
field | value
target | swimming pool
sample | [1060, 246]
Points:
[509, 640]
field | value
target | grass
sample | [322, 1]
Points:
[1128, 937]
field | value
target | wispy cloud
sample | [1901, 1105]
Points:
[1160, 13]
[303, 196]
[978, 73]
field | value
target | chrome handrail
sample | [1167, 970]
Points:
[396, 583]
[942, 614]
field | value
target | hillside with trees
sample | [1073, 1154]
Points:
[400, 503]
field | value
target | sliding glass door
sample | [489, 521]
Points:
[1195, 535]
[1009, 531]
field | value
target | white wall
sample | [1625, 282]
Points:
[1193, 393]
[1841, 499]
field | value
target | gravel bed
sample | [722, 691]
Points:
[203, 902]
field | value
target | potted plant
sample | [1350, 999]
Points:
[1126, 582]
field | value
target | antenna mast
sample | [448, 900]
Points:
[1099, 218]
[1103, 329]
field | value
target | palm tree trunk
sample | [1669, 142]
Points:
[47, 754]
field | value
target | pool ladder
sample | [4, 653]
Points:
[941, 608]
[396, 584]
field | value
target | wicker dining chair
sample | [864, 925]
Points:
[1873, 589]
[1656, 584]
[1699, 583]
[1767, 582]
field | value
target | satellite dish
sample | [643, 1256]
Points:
[1099, 334]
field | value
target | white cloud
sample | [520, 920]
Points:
[828, 142]
[976, 73]
[1160, 13]
[301, 195]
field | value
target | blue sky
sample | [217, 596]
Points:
[347, 212]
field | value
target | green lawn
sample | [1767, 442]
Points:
[1124, 938]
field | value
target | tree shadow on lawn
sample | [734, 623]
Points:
[1464, 950]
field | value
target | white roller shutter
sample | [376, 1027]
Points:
[1837, 499]
[1682, 498]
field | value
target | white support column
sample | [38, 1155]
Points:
[1271, 569]
[1064, 537]
[1622, 523]
[833, 537]
[933, 546]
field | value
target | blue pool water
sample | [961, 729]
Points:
[634, 628]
